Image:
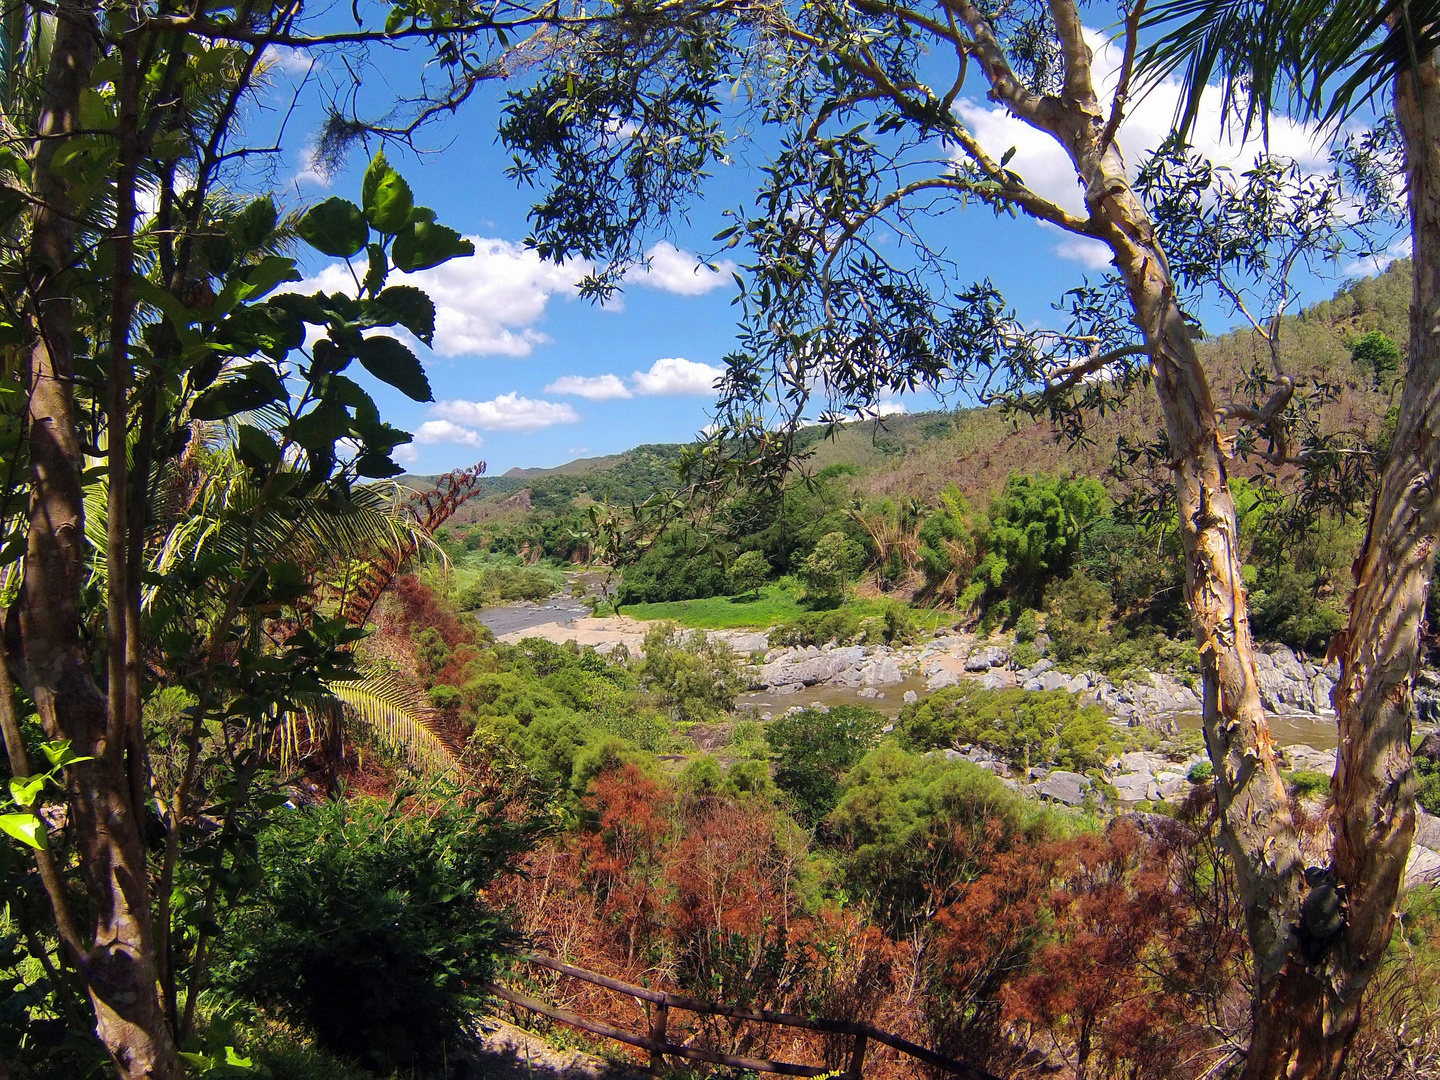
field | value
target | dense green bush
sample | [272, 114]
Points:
[817, 628]
[692, 676]
[812, 749]
[1034, 532]
[369, 928]
[911, 826]
[678, 566]
[832, 564]
[1024, 727]
[1427, 784]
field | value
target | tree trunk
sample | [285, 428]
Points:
[1258, 829]
[1307, 1028]
[118, 962]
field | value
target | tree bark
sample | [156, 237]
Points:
[118, 961]
[1258, 829]
[1307, 1026]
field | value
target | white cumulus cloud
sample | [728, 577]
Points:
[1045, 168]
[444, 431]
[591, 387]
[674, 376]
[675, 271]
[486, 304]
[507, 412]
[284, 58]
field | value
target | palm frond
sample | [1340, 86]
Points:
[1317, 59]
[399, 717]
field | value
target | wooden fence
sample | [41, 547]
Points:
[656, 1043]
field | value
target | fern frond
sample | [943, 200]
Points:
[399, 717]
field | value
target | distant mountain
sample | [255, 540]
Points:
[918, 454]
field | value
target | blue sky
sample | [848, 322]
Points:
[527, 374]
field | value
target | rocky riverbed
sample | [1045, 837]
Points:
[1293, 688]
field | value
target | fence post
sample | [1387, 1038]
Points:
[659, 1017]
[857, 1059]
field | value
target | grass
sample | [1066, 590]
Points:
[775, 604]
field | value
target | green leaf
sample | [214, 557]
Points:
[26, 789]
[378, 269]
[374, 465]
[423, 244]
[412, 309]
[26, 828]
[392, 362]
[253, 225]
[256, 387]
[59, 754]
[386, 197]
[335, 227]
[256, 448]
[287, 582]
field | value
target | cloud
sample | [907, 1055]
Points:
[508, 412]
[591, 387]
[444, 431]
[309, 170]
[577, 450]
[675, 271]
[674, 376]
[406, 454]
[890, 407]
[486, 304]
[1082, 249]
[284, 58]
[1046, 169]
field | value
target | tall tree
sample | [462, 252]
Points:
[1270, 59]
[142, 334]
[849, 297]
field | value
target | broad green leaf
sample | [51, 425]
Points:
[253, 282]
[423, 244]
[257, 448]
[386, 197]
[335, 227]
[253, 225]
[412, 309]
[376, 466]
[59, 754]
[392, 362]
[287, 581]
[26, 789]
[257, 386]
[378, 269]
[26, 828]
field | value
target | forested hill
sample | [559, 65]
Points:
[917, 455]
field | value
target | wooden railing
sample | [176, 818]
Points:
[660, 1047]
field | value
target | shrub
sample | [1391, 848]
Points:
[829, 568]
[1427, 784]
[813, 748]
[748, 572]
[693, 676]
[1307, 783]
[1200, 772]
[817, 628]
[1377, 354]
[1024, 727]
[369, 928]
[909, 825]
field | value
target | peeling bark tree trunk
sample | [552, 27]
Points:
[1259, 831]
[118, 961]
[1307, 1025]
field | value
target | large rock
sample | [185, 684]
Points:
[1289, 684]
[997, 679]
[1132, 787]
[1066, 787]
[1423, 867]
[940, 678]
[1427, 830]
[987, 657]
